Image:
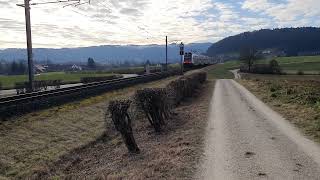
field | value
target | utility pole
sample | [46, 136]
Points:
[26, 7]
[166, 53]
[29, 44]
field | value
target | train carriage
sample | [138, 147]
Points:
[194, 60]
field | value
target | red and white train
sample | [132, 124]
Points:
[192, 60]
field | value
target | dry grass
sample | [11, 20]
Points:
[298, 101]
[173, 154]
[36, 139]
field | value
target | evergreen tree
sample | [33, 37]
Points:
[21, 68]
[13, 68]
[91, 63]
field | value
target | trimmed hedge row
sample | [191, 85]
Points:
[156, 103]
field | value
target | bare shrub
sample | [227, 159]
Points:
[185, 86]
[122, 122]
[157, 103]
[154, 103]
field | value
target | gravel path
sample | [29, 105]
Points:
[247, 140]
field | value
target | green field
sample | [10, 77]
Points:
[222, 71]
[291, 65]
[9, 81]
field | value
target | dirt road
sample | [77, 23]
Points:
[247, 140]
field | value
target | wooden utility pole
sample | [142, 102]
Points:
[166, 53]
[26, 6]
[29, 43]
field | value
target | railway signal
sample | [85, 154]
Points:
[181, 54]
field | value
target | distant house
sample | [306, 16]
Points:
[76, 68]
[38, 68]
[271, 53]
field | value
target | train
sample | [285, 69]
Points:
[196, 60]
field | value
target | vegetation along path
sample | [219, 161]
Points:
[247, 140]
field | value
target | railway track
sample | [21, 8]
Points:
[18, 104]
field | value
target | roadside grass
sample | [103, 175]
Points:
[35, 140]
[297, 100]
[8, 82]
[222, 71]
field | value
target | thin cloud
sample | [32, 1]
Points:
[148, 21]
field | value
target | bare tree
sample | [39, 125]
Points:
[248, 56]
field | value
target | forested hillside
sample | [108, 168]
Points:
[292, 41]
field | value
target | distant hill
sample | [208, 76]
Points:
[292, 41]
[106, 53]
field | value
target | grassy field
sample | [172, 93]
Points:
[222, 71]
[9, 81]
[291, 65]
[298, 100]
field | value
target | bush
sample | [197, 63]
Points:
[122, 122]
[274, 67]
[155, 105]
[0, 86]
[185, 86]
[274, 95]
[300, 72]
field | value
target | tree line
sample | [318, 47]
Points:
[292, 41]
[13, 68]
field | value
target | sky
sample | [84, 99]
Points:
[121, 22]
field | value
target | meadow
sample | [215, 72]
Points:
[292, 65]
[308, 65]
[8, 82]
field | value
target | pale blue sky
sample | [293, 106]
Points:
[149, 21]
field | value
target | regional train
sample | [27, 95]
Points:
[195, 60]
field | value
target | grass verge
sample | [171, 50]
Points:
[36, 139]
[297, 100]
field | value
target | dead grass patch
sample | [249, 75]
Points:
[32, 141]
[298, 101]
[172, 154]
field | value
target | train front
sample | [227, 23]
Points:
[187, 62]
